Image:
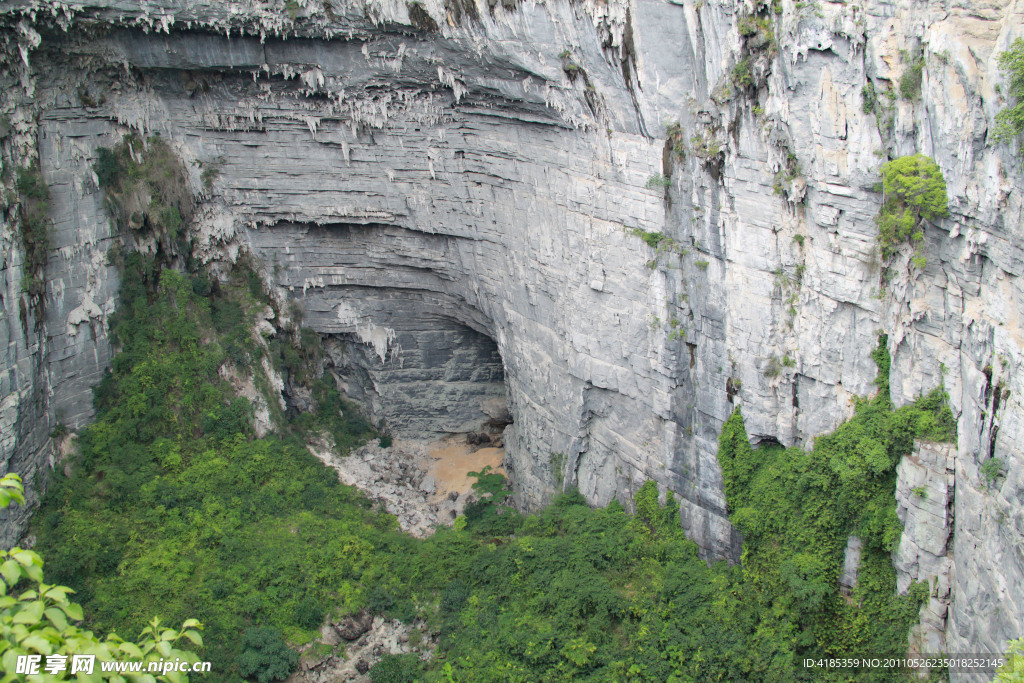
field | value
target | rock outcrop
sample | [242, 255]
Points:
[443, 187]
[924, 495]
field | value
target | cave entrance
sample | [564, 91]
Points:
[429, 379]
[438, 388]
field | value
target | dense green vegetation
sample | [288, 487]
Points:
[174, 509]
[1010, 121]
[914, 191]
[38, 619]
[797, 508]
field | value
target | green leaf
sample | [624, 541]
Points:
[131, 649]
[34, 572]
[74, 611]
[58, 593]
[37, 643]
[26, 558]
[31, 613]
[11, 572]
[194, 637]
[56, 617]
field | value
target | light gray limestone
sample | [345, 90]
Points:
[925, 488]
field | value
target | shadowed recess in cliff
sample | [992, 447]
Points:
[401, 337]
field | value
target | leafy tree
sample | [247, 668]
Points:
[265, 656]
[914, 191]
[396, 669]
[37, 618]
[1013, 670]
[1010, 121]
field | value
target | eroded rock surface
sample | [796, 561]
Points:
[925, 489]
[423, 484]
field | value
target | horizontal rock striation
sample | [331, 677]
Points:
[443, 194]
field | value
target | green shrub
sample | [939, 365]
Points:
[310, 613]
[742, 77]
[797, 508]
[910, 80]
[265, 657]
[1010, 121]
[993, 470]
[658, 181]
[868, 98]
[37, 618]
[747, 25]
[147, 190]
[396, 669]
[914, 191]
[675, 139]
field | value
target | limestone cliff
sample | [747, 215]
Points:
[458, 193]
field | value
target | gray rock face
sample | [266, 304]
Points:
[438, 201]
[851, 563]
[924, 496]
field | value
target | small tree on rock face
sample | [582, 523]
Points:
[1010, 121]
[914, 191]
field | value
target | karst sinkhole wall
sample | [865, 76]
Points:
[487, 176]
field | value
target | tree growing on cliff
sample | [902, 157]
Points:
[913, 191]
[1010, 121]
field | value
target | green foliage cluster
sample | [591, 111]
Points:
[1013, 670]
[881, 103]
[1010, 121]
[658, 181]
[396, 669]
[757, 32]
[675, 139]
[34, 220]
[174, 509]
[147, 190]
[869, 98]
[789, 172]
[706, 147]
[797, 508]
[914, 191]
[265, 657]
[993, 470]
[37, 618]
[911, 79]
[741, 75]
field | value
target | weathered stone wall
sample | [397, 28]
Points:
[484, 177]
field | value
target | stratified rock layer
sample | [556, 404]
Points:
[439, 198]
